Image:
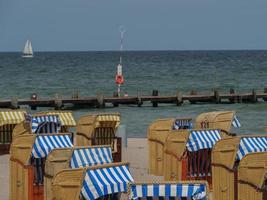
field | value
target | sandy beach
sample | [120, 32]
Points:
[136, 153]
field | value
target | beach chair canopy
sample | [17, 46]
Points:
[196, 191]
[186, 123]
[27, 146]
[102, 181]
[90, 156]
[44, 144]
[229, 150]
[45, 123]
[223, 120]
[66, 117]
[11, 117]
[107, 120]
[249, 145]
[91, 182]
[202, 139]
[235, 122]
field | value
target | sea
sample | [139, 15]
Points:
[90, 73]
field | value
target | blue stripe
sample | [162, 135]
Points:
[97, 187]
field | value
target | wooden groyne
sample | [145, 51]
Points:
[100, 101]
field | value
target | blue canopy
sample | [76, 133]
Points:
[202, 139]
[44, 144]
[251, 144]
[45, 124]
[104, 181]
[90, 156]
[236, 122]
[195, 191]
[182, 124]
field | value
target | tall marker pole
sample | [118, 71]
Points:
[119, 76]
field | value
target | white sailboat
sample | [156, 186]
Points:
[27, 51]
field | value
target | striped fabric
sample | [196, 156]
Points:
[11, 117]
[91, 156]
[236, 122]
[192, 191]
[46, 124]
[108, 120]
[103, 181]
[182, 124]
[46, 143]
[66, 117]
[251, 144]
[203, 139]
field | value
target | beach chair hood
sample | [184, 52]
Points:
[11, 116]
[92, 182]
[223, 120]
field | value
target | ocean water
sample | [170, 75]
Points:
[89, 73]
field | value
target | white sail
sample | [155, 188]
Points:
[27, 51]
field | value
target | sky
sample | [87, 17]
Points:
[88, 25]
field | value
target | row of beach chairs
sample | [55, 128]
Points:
[45, 163]
[233, 165]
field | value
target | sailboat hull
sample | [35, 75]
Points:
[27, 56]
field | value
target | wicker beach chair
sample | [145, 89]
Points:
[26, 182]
[100, 129]
[96, 182]
[73, 158]
[187, 154]
[157, 134]
[8, 120]
[239, 168]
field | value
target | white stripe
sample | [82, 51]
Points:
[184, 190]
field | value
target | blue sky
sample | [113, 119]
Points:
[70, 25]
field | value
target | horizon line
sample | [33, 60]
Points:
[155, 50]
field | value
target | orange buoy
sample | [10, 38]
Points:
[119, 76]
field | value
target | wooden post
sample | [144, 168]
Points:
[217, 96]
[58, 102]
[155, 93]
[179, 98]
[254, 96]
[34, 96]
[139, 100]
[115, 94]
[14, 103]
[100, 100]
[232, 99]
[193, 92]
[265, 91]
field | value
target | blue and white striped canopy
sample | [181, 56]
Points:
[251, 144]
[90, 156]
[194, 191]
[103, 181]
[46, 124]
[46, 143]
[179, 123]
[236, 122]
[204, 139]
